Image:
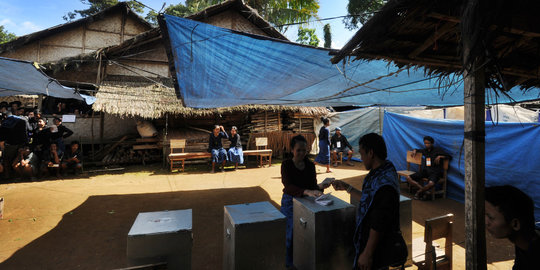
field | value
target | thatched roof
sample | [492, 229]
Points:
[153, 101]
[428, 33]
[23, 40]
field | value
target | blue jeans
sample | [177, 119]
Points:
[287, 210]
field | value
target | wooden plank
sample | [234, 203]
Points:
[146, 140]
[447, 27]
[474, 141]
[145, 147]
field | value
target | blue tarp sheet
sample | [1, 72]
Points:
[511, 151]
[217, 67]
[23, 78]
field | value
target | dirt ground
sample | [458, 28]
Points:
[82, 223]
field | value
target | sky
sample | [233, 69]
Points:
[23, 17]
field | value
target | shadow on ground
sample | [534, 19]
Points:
[94, 235]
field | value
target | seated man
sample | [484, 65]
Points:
[340, 144]
[26, 162]
[51, 161]
[432, 167]
[510, 214]
[72, 158]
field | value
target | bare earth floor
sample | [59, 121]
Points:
[82, 223]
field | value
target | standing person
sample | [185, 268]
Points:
[432, 167]
[62, 133]
[324, 145]
[219, 155]
[41, 137]
[341, 145]
[235, 151]
[510, 214]
[299, 179]
[378, 213]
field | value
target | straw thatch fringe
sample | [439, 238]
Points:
[154, 101]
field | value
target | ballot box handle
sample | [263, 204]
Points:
[303, 222]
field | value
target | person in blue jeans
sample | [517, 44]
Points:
[299, 179]
[215, 146]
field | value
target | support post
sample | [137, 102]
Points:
[474, 141]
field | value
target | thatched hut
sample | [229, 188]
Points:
[135, 83]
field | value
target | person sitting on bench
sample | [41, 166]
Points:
[219, 155]
[339, 144]
[235, 151]
[432, 167]
[72, 158]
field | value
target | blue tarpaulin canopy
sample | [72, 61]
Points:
[217, 67]
[23, 78]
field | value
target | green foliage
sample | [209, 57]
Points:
[278, 12]
[6, 36]
[307, 36]
[99, 5]
[362, 10]
[180, 10]
[327, 36]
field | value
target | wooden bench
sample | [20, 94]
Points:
[182, 156]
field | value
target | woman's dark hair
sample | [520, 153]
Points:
[430, 139]
[325, 120]
[375, 142]
[296, 139]
[216, 126]
[58, 119]
[512, 203]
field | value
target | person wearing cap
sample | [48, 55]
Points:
[341, 145]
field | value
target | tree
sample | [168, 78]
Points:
[279, 13]
[6, 36]
[361, 11]
[327, 36]
[180, 10]
[307, 36]
[99, 5]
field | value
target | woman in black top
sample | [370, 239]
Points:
[299, 179]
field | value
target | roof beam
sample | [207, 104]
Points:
[447, 27]
[516, 31]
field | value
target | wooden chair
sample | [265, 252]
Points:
[339, 158]
[441, 181]
[176, 144]
[437, 228]
[411, 160]
[261, 143]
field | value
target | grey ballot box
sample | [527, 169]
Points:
[405, 222]
[323, 235]
[163, 236]
[254, 237]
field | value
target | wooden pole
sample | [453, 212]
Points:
[474, 140]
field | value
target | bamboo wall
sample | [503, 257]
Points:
[84, 39]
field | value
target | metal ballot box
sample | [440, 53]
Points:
[405, 222]
[254, 237]
[163, 236]
[323, 235]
